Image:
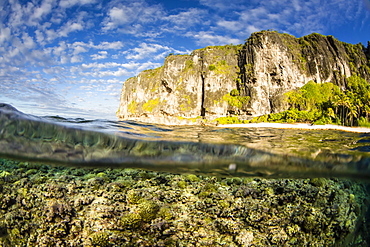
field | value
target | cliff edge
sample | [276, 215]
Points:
[239, 80]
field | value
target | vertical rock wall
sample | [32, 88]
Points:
[186, 87]
[245, 80]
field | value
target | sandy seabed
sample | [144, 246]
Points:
[298, 126]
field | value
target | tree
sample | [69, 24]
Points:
[326, 102]
[367, 112]
[352, 113]
[335, 102]
[294, 98]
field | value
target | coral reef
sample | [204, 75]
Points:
[42, 205]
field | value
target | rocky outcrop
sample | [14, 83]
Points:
[244, 80]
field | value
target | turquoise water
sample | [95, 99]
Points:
[205, 150]
[78, 182]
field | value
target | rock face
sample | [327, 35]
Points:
[244, 80]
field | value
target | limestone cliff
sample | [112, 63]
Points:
[244, 80]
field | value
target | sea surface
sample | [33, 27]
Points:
[216, 150]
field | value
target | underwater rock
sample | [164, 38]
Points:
[162, 209]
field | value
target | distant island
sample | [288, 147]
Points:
[273, 77]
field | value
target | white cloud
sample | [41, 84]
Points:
[296, 5]
[108, 88]
[64, 59]
[130, 17]
[4, 34]
[18, 13]
[185, 19]
[43, 10]
[29, 13]
[144, 50]
[71, 3]
[99, 65]
[124, 69]
[41, 58]
[50, 35]
[59, 50]
[251, 29]
[28, 41]
[230, 25]
[76, 59]
[106, 73]
[115, 81]
[223, 5]
[51, 71]
[39, 37]
[115, 45]
[78, 50]
[147, 65]
[101, 55]
[86, 87]
[70, 27]
[109, 45]
[119, 16]
[60, 27]
[209, 38]
[129, 66]
[298, 17]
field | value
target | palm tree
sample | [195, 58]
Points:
[331, 113]
[347, 105]
[341, 101]
[367, 111]
[335, 102]
[352, 113]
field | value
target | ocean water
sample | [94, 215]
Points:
[126, 183]
[191, 149]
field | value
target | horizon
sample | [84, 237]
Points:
[71, 57]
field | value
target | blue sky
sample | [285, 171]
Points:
[71, 57]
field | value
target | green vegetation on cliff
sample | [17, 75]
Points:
[221, 68]
[326, 103]
[234, 99]
[132, 107]
[150, 105]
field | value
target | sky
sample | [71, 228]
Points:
[70, 58]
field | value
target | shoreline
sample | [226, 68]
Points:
[200, 122]
[298, 126]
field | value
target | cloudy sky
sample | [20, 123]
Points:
[71, 57]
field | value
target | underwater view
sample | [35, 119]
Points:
[78, 182]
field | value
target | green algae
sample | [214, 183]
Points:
[100, 239]
[182, 184]
[147, 210]
[192, 178]
[131, 220]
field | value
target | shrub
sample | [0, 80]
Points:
[212, 67]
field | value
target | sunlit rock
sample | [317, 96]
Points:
[238, 80]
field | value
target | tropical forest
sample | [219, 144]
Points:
[326, 103]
